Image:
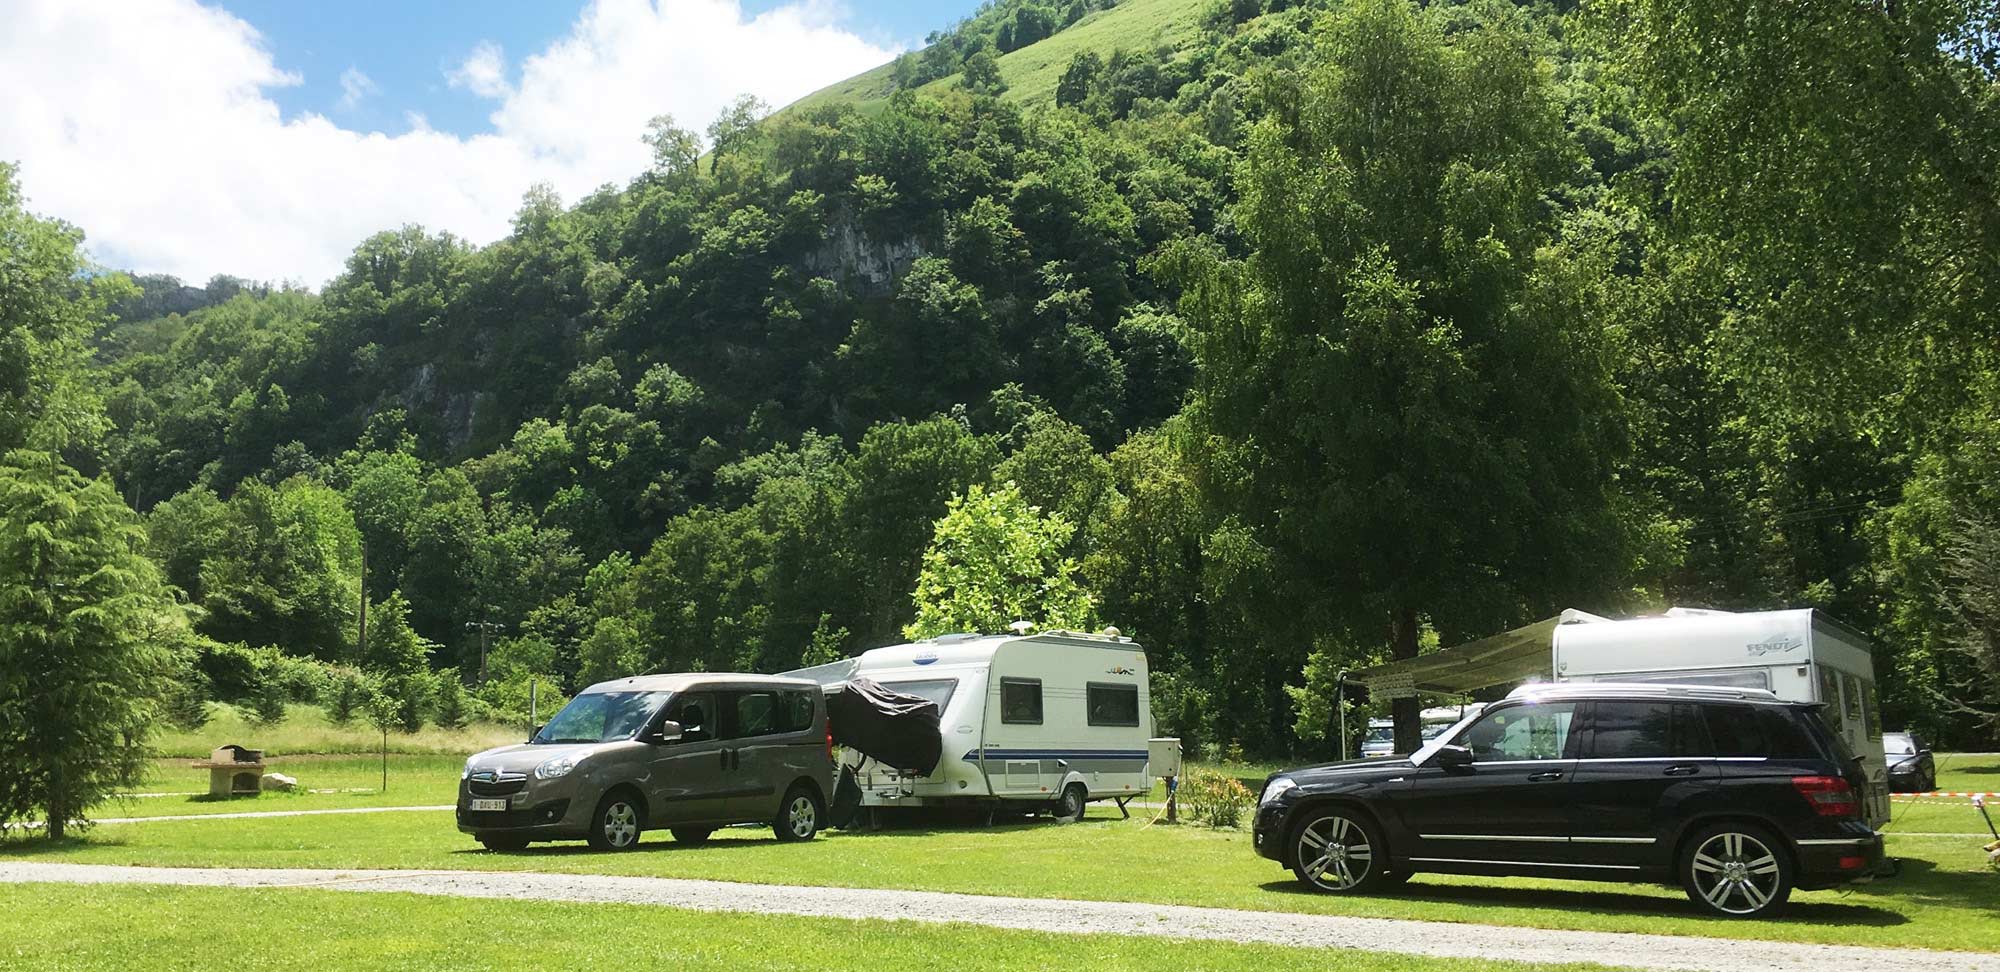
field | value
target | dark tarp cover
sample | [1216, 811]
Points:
[888, 726]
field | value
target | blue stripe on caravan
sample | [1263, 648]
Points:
[1059, 755]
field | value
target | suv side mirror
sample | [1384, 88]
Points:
[668, 731]
[1454, 756]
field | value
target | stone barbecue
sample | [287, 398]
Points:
[234, 771]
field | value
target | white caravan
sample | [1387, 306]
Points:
[1799, 655]
[1040, 720]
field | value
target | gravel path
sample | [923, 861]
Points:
[1439, 939]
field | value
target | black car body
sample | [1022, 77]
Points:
[1733, 794]
[1912, 769]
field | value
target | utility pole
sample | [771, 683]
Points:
[1340, 708]
[361, 633]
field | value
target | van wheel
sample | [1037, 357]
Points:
[1069, 807]
[617, 823]
[1339, 851]
[1736, 871]
[798, 816]
[692, 835]
[504, 843]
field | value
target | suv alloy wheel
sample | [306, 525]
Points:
[1737, 871]
[1338, 851]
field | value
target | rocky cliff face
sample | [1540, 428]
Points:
[867, 266]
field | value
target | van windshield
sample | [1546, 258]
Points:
[602, 717]
[937, 690]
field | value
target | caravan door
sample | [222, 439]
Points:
[1013, 769]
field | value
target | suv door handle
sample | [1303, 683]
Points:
[1682, 770]
[1545, 777]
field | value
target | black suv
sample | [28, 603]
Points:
[1734, 795]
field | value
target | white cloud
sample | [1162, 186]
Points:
[483, 72]
[149, 124]
[355, 86]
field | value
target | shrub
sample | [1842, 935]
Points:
[506, 699]
[347, 696]
[232, 670]
[1211, 798]
[452, 710]
[413, 695]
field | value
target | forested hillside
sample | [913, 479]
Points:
[1315, 332]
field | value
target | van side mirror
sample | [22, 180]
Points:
[1454, 756]
[668, 731]
[532, 733]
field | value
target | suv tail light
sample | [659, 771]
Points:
[829, 741]
[1830, 796]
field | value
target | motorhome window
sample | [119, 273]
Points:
[1538, 731]
[1853, 689]
[1113, 705]
[1639, 730]
[1829, 693]
[937, 690]
[1735, 730]
[1751, 678]
[1021, 701]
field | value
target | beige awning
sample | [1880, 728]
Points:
[1508, 658]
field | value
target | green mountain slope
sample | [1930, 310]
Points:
[1031, 72]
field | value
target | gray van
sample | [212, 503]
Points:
[688, 753]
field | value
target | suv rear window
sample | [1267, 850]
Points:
[1735, 730]
[1643, 730]
[1786, 736]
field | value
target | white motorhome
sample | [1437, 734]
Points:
[1798, 655]
[1038, 720]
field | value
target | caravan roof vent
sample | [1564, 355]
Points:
[1021, 627]
[1112, 632]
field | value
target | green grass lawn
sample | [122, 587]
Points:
[1945, 899]
[413, 781]
[307, 730]
[1961, 772]
[104, 929]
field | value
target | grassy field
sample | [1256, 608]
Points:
[307, 730]
[1946, 898]
[1032, 72]
[199, 929]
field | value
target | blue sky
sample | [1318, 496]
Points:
[404, 48]
[266, 138]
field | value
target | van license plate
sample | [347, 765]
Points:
[489, 805]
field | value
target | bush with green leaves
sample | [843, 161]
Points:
[1210, 798]
[414, 695]
[347, 696]
[453, 708]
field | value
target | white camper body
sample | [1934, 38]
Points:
[1799, 655]
[1025, 717]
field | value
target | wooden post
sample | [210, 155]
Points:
[385, 758]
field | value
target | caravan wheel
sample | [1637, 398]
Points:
[1069, 807]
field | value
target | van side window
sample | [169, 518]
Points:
[755, 713]
[696, 714]
[1021, 701]
[795, 712]
[1113, 705]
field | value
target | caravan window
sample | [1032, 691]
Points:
[937, 690]
[1113, 705]
[1021, 701]
[1871, 709]
[1829, 693]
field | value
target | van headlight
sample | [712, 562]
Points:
[556, 768]
[466, 770]
[1276, 788]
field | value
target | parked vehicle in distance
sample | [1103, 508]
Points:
[1731, 793]
[1381, 739]
[688, 753]
[1911, 767]
[1049, 720]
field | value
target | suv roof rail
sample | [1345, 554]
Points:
[1573, 690]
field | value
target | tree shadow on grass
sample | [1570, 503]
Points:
[1603, 900]
[1921, 882]
[26, 844]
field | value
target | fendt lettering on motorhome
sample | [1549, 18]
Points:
[1029, 721]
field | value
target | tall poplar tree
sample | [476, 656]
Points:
[1404, 399]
